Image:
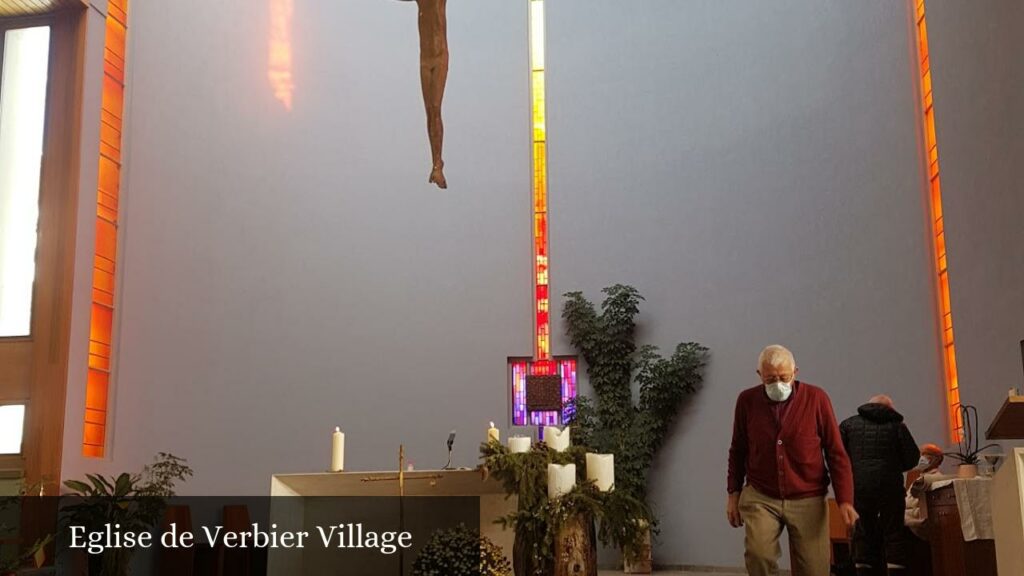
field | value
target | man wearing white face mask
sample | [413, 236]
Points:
[786, 448]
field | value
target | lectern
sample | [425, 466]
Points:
[1009, 422]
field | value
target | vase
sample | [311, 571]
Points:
[643, 562]
[967, 471]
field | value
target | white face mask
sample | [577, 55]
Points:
[779, 391]
[924, 463]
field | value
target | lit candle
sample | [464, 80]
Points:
[338, 453]
[493, 435]
[557, 440]
[519, 444]
[601, 469]
[561, 479]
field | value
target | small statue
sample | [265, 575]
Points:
[433, 27]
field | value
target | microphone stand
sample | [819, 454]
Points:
[448, 466]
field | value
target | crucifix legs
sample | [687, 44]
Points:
[433, 27]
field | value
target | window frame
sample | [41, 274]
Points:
[17, 23]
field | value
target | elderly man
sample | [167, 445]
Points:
[785, 446]
[881, 449]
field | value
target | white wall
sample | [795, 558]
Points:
[978, 80]
[753, 169]
[284, 272]
[755, 172]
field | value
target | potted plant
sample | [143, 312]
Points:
[613, 422]
[460, 551]
[134, 501]
[968, 452]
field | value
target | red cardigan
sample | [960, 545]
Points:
[788, 461]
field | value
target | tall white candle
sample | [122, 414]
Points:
[601, 470]
[561, 479]
[493, 435]
[338, 451]
[519, 444]
[557, 440]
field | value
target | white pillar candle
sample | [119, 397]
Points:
[557, 440]
[519, 444]
[601, 470]
[338, 452]
[493, 435]
[561, 479]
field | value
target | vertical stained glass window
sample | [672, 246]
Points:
[931, 145]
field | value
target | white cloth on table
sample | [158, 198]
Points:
[973, 501]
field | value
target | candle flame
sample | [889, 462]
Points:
[279, 65]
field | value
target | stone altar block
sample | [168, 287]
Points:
[378, 498]
[1008, 513]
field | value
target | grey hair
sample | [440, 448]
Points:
[776, 356]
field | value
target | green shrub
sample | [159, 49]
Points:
[460, 552]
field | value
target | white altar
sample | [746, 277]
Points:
[302, 513]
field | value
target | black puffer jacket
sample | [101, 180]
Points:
[881, 449]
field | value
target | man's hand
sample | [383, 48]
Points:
[732, 510]
[850, 515]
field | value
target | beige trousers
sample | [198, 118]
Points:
[807, 522]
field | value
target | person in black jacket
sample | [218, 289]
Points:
[881, 449]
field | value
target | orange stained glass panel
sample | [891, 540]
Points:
[102, 317]
[113, 98]
[94, 434]
[118, 9]
[106, 239]
[96, 390]
[110, 139]
[936, 191]
[109, 176]
[115, 42]
[92, 451]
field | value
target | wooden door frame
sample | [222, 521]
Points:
[55, 251]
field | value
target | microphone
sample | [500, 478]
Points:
[451, 442]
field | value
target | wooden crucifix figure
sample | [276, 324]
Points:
[433, 28]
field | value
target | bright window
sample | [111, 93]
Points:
[12, 426]
[22, 109]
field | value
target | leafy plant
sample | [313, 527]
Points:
[12, 562]
[537, 518]
[460, 551]
[134, 501]
[967, 449]
[23, 556]
[614, 421]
